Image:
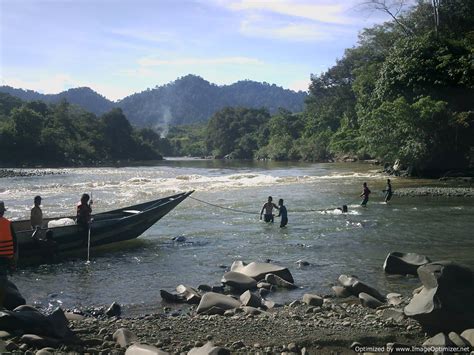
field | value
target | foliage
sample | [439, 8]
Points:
[36, 133]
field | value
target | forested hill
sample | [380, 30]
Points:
[192, 99]
[187, 100]
[84, 97]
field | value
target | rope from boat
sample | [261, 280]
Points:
[253, 213]
[222, 207]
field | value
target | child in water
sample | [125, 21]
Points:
[283, 214]
[365, 193]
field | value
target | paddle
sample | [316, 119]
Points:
[89, 238]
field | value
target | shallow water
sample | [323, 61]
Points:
[132, 273]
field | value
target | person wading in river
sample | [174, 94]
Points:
[365, 193]
[8, 248]
[283, 213]
[388, 192]
[36, 216]
[268, 207]
[84, 214]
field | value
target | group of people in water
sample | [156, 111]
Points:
[268, 207]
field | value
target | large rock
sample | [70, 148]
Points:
[190, 294]
[30, 320]
[404, 263]
[209, 349]
[239, 281]
[217, 301]
[124, 337]
[468, 334]
[37, 341]
[258, 271]
[13, 297]
[143, 349]
[445, 303]
[250, 299]
[355, 286]
[276, 280]
[114, 310]
[439, 339]
[368, 301]
[312, 300]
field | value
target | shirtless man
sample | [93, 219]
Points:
[268, 207]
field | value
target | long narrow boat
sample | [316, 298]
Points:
[107, 227]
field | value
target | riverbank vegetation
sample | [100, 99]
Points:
[34, 133]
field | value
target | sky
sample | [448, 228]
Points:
[119, 47]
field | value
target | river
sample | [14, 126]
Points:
[132, 273]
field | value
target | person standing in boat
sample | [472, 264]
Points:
[84, 214]
[365, 193]
[268, 207]
[283, 213]
[8, 249]
[388, 191]
[36, 217]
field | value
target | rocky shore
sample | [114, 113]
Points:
[238, 316]
[435, 191]
[6, 173]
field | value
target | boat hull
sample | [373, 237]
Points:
[106, 228]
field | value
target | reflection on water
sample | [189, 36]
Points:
[333, 243]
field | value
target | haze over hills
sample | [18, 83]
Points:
[189, 99]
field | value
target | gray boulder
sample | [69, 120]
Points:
[124, 337]
[468, 334]
[13, 297]
[313, 300]
[217, 301]
[238, 281]
[404, 263]
[368, 301]
[341, 291]
[258, 271]
[444, 304]
[355, 286]
[143, 349]
[171, 297]
[190, 294]
[457, 340]
[278, 281]
[250, 299]
[209, 349]
[39, 341]
[439, 339]
[114, 310]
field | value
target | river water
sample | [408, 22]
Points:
[132, 273]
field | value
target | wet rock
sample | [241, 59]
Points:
[368, 301]
[59, 325]
[250, 299]
[394, 299]
[142, 349]
[445, 302]
[171, 297]
[341, 291]
[204, 288]
[124, 337]
[114, 310]
[13, 298]
[457, 340]
[39, 341]
[404, 263]
[46, 351]
[258, 271]
[312, 300]
[278, 281]
[190, 294]
[209, 349]
[355, 286]
[238, 281]
[439, 339]
[216, 300]
[468, 334]
[302, 263]
[179, 239]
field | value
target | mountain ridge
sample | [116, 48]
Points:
[186, 100]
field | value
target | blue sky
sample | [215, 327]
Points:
[119, 47]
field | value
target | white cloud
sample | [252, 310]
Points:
[149, 61]
[300, 85]
[296, 32]
[333, 12]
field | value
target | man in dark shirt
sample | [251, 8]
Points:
[388, 191]
[283, 214]
[365, 193]
[84, 214]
